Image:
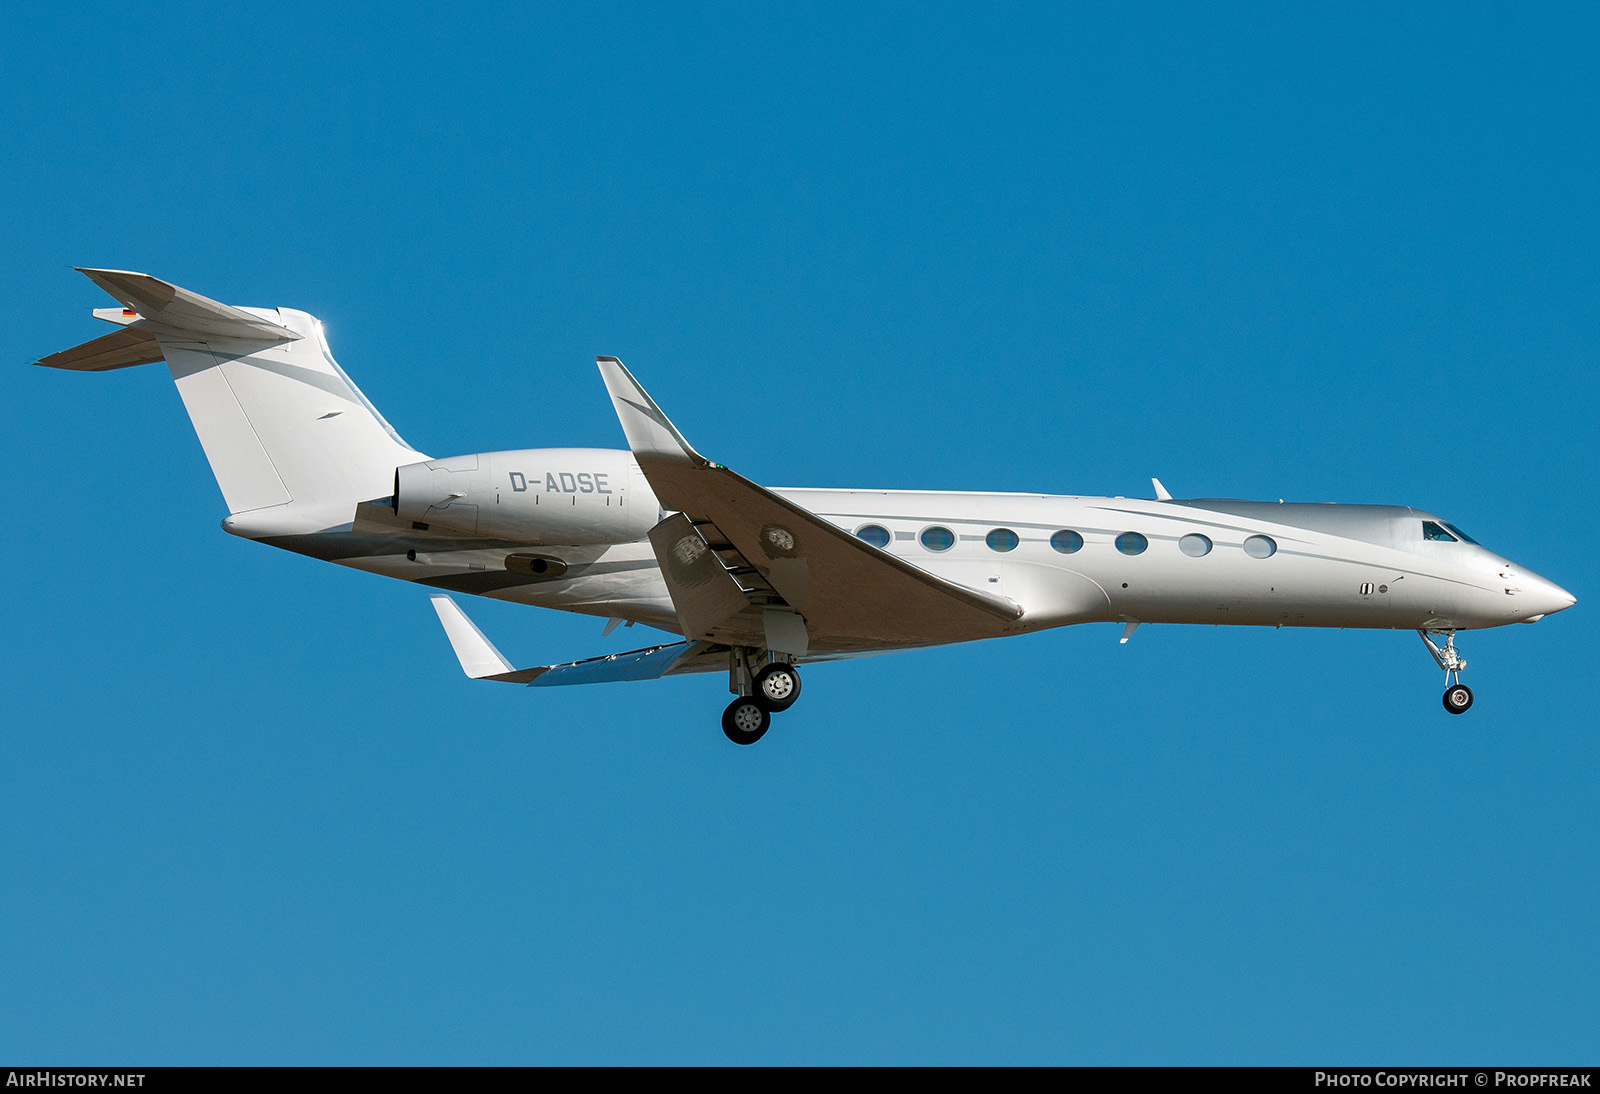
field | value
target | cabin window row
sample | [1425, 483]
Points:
[939, 539]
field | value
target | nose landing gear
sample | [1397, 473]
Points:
[1457, 696]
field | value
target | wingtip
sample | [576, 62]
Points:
[646, 426]
[478, 657]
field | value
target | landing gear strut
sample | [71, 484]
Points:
[1457, 696]
[762, 692]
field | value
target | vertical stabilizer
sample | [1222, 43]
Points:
[280, 422]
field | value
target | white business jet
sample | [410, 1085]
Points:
[759, 581]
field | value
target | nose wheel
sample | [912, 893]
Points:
[1457, 696]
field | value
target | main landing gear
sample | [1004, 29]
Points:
[1457, 696]
[772, 688]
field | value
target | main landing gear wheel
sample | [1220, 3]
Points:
[745, 720]
[1457, 698]
[777, 685]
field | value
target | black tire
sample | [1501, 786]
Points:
[745, 721]
[777, 686]
[1458, 698]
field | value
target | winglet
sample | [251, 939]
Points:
[1161, 491]
[479, 659]
[648, 430]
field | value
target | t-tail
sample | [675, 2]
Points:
[292, 442]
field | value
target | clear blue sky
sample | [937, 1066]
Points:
[250, 811]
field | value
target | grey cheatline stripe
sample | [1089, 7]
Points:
[970, 522]
[1388, 569]
[1014, 525]
[1251, 530]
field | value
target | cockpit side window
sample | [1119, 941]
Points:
[1462, 535]
[1430, 530]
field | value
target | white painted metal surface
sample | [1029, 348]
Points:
[659, 534]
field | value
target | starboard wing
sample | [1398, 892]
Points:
[850, 594]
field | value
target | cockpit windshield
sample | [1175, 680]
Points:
[1443, 532]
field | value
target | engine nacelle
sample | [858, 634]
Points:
[545, 496]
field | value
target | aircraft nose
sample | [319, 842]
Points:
[1539, 597]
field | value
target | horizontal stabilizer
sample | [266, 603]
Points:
[120, 349]
[481, 661]
[280, 422]
[162, 304]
